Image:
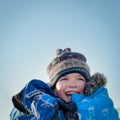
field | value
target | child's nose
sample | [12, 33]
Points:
[72, 84]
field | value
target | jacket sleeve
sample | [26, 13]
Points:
[97, 106]
[36, 101]
[45, 107]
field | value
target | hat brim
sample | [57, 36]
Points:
[79, 70]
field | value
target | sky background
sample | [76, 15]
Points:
[32, 30]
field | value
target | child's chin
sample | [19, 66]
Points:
[68, 99]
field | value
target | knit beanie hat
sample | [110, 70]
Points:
[67, 62]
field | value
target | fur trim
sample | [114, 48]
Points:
[96, 80]
[99, 78]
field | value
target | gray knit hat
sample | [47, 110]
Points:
[67, 62]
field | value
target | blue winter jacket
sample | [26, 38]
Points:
[97, 106]
[36, 101]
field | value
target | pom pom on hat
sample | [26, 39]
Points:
[67, 62]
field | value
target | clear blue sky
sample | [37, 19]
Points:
[31, 31]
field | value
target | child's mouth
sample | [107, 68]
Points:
[69, 94]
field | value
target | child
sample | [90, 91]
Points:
[69, 74]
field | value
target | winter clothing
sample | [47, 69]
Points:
[37, 101]
[97, 106]
[96, 80]
[67, 62]
[95, 103]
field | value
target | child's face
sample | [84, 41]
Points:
[69, 84]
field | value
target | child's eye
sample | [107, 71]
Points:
[62, 79]
[82, 79]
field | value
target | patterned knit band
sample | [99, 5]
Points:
[67, 62]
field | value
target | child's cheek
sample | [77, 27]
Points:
[81, 88]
